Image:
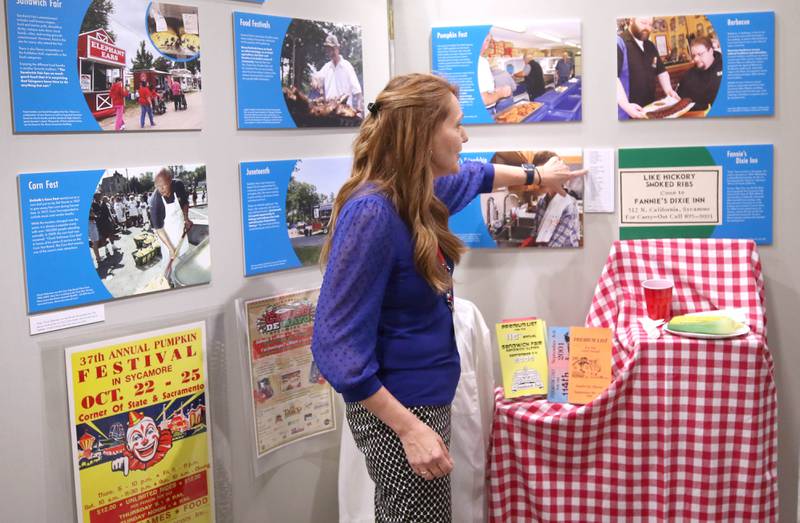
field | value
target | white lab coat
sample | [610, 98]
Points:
[472, 414]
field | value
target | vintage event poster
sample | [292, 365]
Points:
[291, 399]
[140, 427]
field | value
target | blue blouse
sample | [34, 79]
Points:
[378, 321]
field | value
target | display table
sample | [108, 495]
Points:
[687, 431]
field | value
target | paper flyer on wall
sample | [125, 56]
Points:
[104, 65]
[297, 73]
[98, 235]
[286, 206]
[523, 357]
[291, 399]
[695, 66]
[517, 218]
[525, 72]
[139, 425]
[696, 192]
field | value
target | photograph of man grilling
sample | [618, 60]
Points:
[322, 76]
[169, 215]
[337, 79]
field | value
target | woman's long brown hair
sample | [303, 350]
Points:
[392, 152]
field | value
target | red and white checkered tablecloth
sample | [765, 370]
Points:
[687, 431]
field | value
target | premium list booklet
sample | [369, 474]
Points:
[589, 363]
[523, 357]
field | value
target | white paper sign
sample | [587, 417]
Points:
[54, 321]
[599, 187]
[190, 24]
[161, 23]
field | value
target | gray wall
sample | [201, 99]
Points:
[36, 477]
[558, 286]
[299, 484]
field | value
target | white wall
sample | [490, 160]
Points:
[36, 477]
[559, 285]
[35, 480]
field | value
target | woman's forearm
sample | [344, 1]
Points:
[507, 175]
[390, 411]
[552, 175]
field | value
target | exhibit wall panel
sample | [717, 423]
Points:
[558, 284]
[297, 483]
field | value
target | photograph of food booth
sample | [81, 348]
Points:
[114, 45]
[535, 72]
[100, 63]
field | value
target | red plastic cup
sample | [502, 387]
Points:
[658, 298]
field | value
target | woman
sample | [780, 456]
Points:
[117, 95]
[383, 334]
[146, 103]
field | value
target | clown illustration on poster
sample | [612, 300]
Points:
[513, 218]
[104, 65]
[140, 427]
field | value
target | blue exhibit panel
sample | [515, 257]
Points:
[45, 81]
[454, 55]
[746, 192]
[468, 223]
[747, 41]
[258, 40]
[267, 246]
[59, 270]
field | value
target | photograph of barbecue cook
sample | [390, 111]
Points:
[322, 74]
[667, 67]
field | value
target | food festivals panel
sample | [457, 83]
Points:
[294, 73]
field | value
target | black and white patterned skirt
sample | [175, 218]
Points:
[400, 494]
